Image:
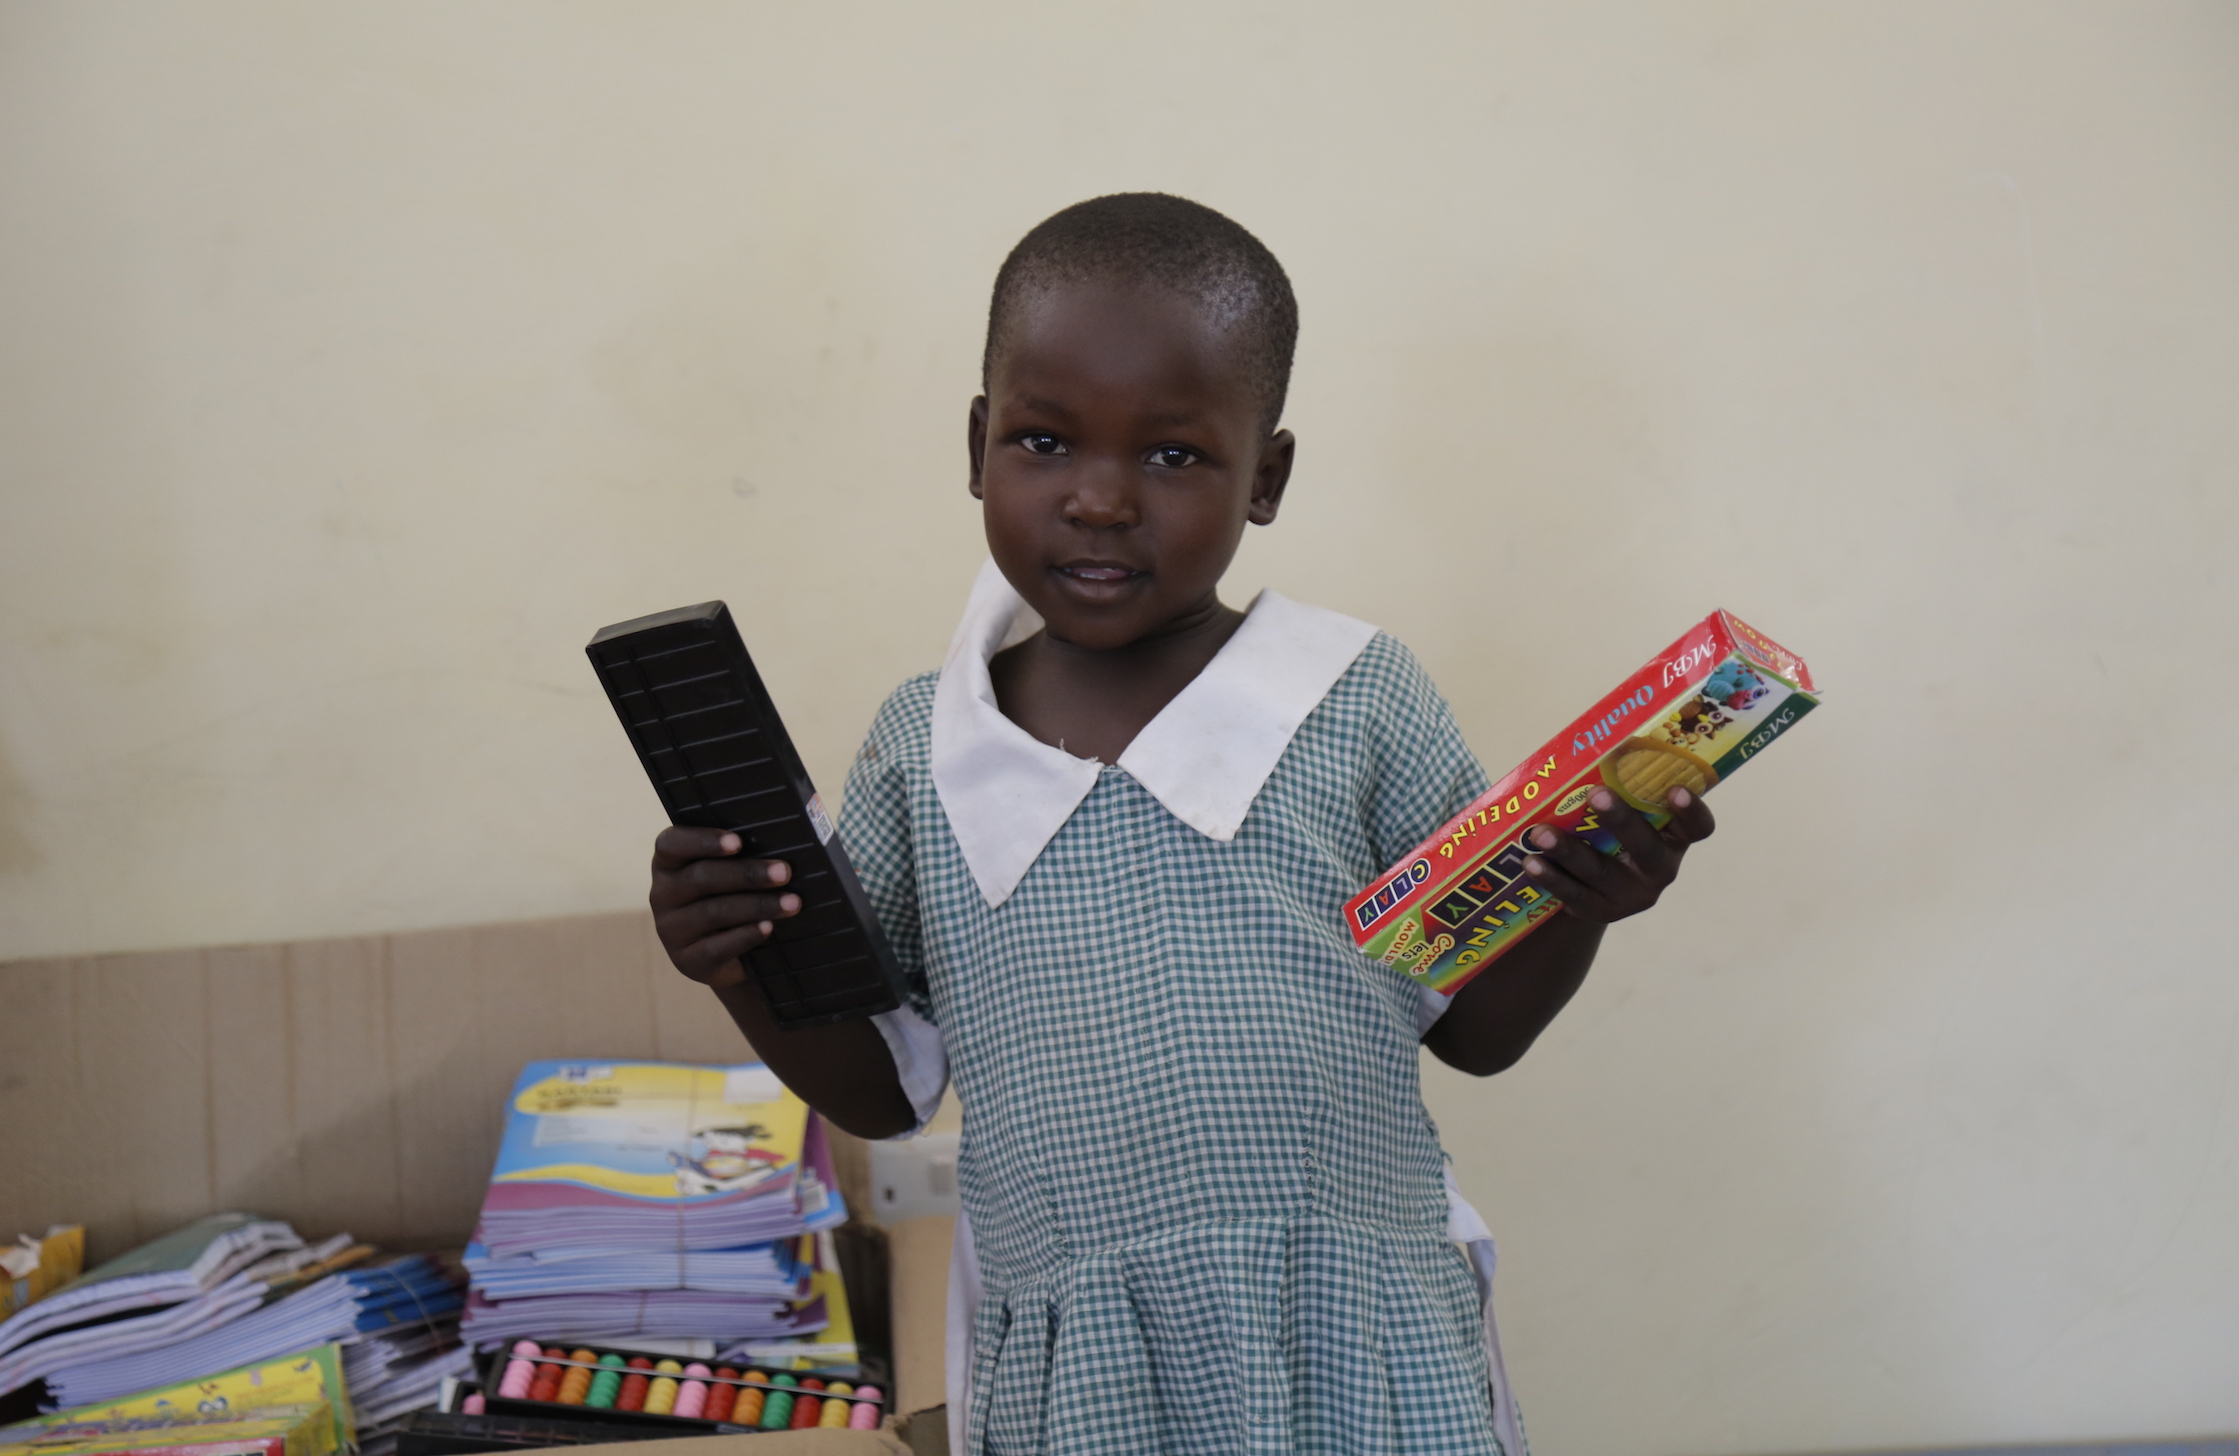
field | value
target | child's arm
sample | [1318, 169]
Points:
[1495, 1018]
[710, 908]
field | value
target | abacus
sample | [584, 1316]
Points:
[720, 758]
[636, 1386]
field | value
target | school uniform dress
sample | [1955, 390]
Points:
[1205, 1210]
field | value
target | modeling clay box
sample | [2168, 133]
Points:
[1705, 706]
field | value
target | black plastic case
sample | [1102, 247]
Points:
[443, 1433]
[719, 757]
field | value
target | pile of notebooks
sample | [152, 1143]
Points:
[232, 1290]
[289, 1407]
[638, 1201]
[195, 1280]
[392, 1374]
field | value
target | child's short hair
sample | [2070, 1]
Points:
[1150, 237]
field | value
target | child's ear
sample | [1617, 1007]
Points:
[1272, 477]
[975, 441]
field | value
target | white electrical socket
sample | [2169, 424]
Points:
[915, 1178]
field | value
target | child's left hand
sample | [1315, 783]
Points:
[1598, 888]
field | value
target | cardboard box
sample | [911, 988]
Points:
[356, 1083]
[1703, 707]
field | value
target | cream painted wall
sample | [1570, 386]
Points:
[357, 362]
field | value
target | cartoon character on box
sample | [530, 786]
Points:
[727, 1161]
[1731, 689]
[1734, 685]
[1695, 721]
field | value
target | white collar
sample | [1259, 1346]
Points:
[1205, 756]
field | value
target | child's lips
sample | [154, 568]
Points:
[1099, 573]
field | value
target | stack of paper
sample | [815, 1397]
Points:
[769, 1270]
[834, 1348]
[654, 1201]
[395, 1374]
[621, 1318]
[413, 1291]
[178, 1287]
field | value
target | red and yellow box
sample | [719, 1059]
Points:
[1700, 709]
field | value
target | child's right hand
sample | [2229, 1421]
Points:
[710, 908]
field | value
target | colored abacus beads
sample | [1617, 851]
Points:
[748, 1412]
[520, 1371]
[660, 1397]
[694, 1392]
[606, 1384]
[576, 1383]
[632, 1396]
[720, 1396]
[548, 1375]
[777, 1410]
[691, 1396]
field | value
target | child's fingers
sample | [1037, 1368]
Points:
[680, 844]
[719, 914]
[1574, 856]
[1575, 893]
[702, 878]
[732, 876]
[715, 960]
[1651, 854]
[1691, 821]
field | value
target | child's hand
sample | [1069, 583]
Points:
[709, 908]
[1599, 888]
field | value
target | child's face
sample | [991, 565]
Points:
[1119, 454]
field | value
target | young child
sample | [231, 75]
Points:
[1205, 1209]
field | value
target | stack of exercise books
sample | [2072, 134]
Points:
[652, 1200]
[233, 1290]
[394, 1373]
[180, 1286]
[413, 1292]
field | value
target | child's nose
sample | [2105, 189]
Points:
[1104, 498]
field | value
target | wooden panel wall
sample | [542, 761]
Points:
[346, 1085]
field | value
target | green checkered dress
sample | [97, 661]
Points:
[1206, 1197]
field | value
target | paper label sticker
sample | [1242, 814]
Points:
[820, 821]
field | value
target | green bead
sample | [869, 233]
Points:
[606, 1384]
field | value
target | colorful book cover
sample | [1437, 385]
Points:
[311, 1377]
[301, 1429]
[632, 1133]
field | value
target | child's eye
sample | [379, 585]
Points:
[1042, 444]
[1174, 457]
